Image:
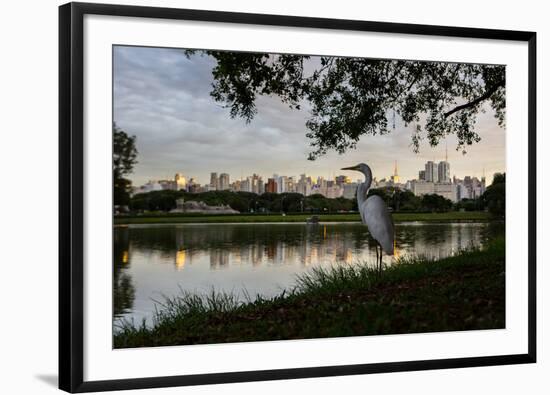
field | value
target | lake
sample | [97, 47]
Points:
[258, 259]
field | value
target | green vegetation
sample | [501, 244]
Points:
[463, 292]
[164, 218]
[244, 202]
[124, 159]
[353, 97]
[494, 197]
[397, 200]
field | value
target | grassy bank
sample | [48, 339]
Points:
[453, 216]
[462, 292]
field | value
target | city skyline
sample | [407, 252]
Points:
[433, 179]
[162, 97]
[339, 172]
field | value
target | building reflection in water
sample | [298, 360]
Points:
[264, 257]
[180, 259]
[277, 244]
[123, 287]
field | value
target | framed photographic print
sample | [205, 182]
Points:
[253, 197]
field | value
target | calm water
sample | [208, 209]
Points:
[156, 260]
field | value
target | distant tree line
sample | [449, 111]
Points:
[493, 200]
[244, 202]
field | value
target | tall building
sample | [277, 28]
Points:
[235, 186]
[321, 182]
[213, 181]
[422, 175]
[431, 173]
[281, 184]
[444, 170]
[193, 186]
[181, 182]
[341, 180]
[304, 185]
[246, 185]
[271, 186]
[168, 185]
[256, 184]
[448, 191]
[350, 190]
[423, 188]
[291, 184]
[223, 182]
[462, 192]
[395, 177]
[334, 191]
[477, 187]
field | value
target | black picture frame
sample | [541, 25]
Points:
[71, 204]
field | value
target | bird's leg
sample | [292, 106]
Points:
[376, 246]
[381, 256]
[377, 257]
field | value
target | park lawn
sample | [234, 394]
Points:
[463, 292]
[453, 216]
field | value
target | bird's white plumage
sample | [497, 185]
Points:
[375, 215]
[374, 212]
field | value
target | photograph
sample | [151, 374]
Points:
[281, 196]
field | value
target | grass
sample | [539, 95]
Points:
[463, 292]
[158, 218]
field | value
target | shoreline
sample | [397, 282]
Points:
[412, 222]
[462, 292]
[454, 216]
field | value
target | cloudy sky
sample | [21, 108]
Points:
[162, 98]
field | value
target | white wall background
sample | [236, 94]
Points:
[28, 198]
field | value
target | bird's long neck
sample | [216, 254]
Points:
[363, 189]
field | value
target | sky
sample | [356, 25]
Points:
[163, 98]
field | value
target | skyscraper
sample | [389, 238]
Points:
[214, 181]
[246, 185]
[350, 190]
[303, 185]
[256, 184]
[422, 175]
[431, 174]
[395, 177]
[444, 170]
[341, 180]
[180, 181]
[281, 184]
[271, 186]
[224, 181]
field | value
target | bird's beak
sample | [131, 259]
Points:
[350, 168]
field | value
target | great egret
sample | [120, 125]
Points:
[374, 214]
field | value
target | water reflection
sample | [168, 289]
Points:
[123, 289]
[151, 260]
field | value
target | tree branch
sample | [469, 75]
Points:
[488, 93]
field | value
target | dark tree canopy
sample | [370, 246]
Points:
[352, 97]
[244, 202]
[124, 159]
[495, 195]
[124, 152]
[499, 178]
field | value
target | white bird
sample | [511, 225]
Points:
[374, 214]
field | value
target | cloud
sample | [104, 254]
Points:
[163, 97]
